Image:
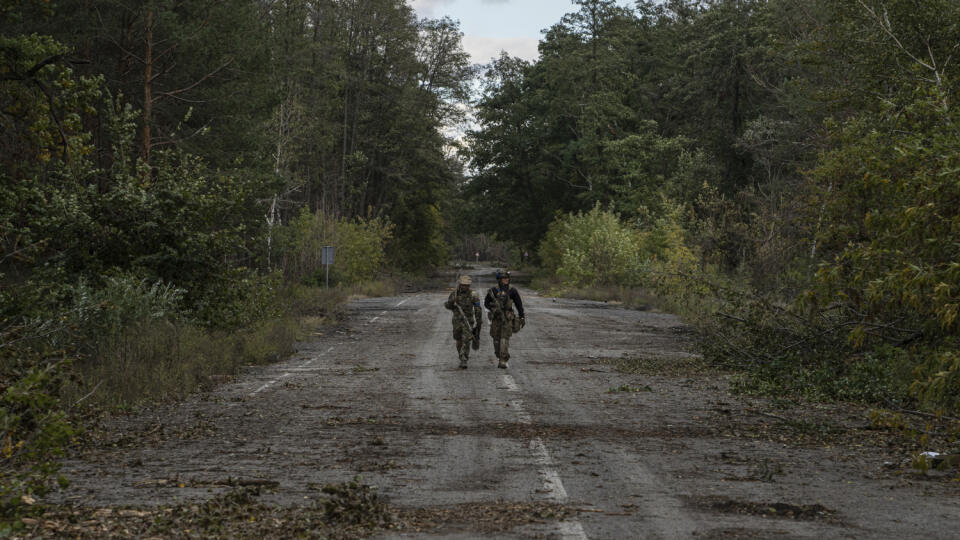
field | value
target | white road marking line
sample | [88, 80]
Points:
[269, 384]
[382, 313]
[315, 358]
[522, 414]
[572, 529]
[549, 477]
[548, 473]
[510, 383]
[309, 369]
[290, 371]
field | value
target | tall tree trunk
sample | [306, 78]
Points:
[341, 188]
[147, 87]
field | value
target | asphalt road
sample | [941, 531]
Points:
[660, 454]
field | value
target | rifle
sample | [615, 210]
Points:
[475, 331]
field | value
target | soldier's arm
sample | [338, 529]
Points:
[516, 301]
[449, 304]
[488, 301]
[477, 310]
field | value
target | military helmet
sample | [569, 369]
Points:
[465, 280]
[502, 274]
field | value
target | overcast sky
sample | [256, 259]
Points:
[490, 26]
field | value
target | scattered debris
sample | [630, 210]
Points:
[805, 512]
[629, 388]
[357, 504]
[365, 369]
[485, 517]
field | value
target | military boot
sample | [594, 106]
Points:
[463, 363]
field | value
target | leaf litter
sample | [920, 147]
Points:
[345, 511]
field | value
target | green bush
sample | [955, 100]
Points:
[593, 248]
[241, 297]
[360, 248]
[889, 195]
[101, 312]
[34, 430]
[937, 378]
[598, 250]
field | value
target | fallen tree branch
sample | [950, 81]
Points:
[88, 395]
[924, 414]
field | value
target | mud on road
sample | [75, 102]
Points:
[561, 445]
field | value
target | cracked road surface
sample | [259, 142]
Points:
[641, 455]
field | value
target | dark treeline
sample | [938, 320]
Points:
[167, 140]
[695, 102]
[785, 169]
[328, 105]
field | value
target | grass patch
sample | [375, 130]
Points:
[630, 297]
[315, 302]
[387, 286]
[163, 360]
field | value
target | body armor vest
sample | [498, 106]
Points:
[502, 298]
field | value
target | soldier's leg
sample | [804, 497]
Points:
[465, 337]
[505, 343]
[462, 344]
[495, 334]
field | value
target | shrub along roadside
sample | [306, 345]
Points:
[799, 348]
[360, 248]
[163, 358]
[166, 358]
[34, 430]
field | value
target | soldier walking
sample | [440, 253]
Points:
[504, 322]
[467, 318]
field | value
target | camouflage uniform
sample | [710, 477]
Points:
[504, 322]
[469, 303]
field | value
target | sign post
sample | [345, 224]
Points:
[326, 258]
